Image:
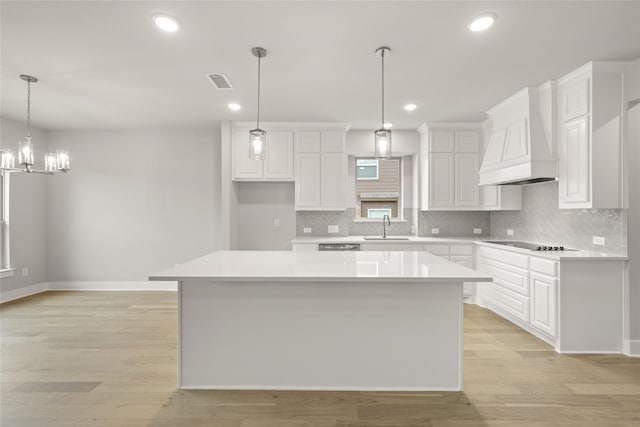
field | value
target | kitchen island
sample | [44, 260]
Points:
[320, 321]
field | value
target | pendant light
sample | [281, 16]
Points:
[382, 135]
[53, 162]
[258, 137]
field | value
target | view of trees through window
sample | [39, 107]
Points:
[378, 188]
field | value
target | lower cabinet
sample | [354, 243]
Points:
[543, 302]
[523, 289]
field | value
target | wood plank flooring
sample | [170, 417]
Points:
[109, 359]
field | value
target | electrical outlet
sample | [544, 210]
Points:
[332, 229]
[435, 231]
[509, 232]
[276, 222]
[477, 231]
[307, 230]
[25, 271]
[598, 241]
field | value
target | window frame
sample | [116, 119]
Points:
[5, 261]
[401, 201]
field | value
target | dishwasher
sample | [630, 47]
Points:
[339, 247]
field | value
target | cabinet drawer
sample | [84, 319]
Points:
[513, 278]
[510, 303]
[461, 250]
[505, 257]
[440, 250]
[544, 266]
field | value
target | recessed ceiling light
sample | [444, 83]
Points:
[166, 23]
[387, 125]
[235, 107]
[482, 22]
[410, 107]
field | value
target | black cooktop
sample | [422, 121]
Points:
[531, 246]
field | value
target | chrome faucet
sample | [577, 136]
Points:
[385, 221]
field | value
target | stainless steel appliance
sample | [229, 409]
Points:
[536, 247]
[339, 247]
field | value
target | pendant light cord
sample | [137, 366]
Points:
[28, 109]
[382, 53]
[258, 115]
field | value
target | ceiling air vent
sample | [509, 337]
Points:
[220, 81]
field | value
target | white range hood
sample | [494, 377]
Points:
[522, 147]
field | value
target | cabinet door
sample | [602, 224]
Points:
[467, 192]
[308, 141]
[279, 162]
[490, 196]
[441, 178]
[307, 180]
[467, 141]
[543, 303]
[333, 191]
[332, 142]
[574, 179]
[441, 141]
[574, 98]
[244, 167]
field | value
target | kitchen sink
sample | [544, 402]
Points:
[385, 238]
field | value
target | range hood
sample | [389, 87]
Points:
[522, 146]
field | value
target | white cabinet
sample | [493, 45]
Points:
[590, 141]
[501, 198]
[543, 302]
[321, 170]
[450, 160]
[278, 166]
[441, 180]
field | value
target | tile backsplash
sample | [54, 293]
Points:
[319, 222]
[541, 221]
[453, 224]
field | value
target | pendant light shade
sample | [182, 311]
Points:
[382, 136]
[383, 144]
[257, 136]
[25, 152]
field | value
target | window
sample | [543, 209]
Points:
[4, 221]
[378, 213]
[366, 169]
[378, 188]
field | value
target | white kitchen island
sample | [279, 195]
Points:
[320, 321]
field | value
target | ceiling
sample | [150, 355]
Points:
[104, 65]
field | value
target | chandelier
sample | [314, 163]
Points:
[53, 162]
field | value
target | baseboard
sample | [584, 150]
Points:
[113, 286]
[631, 348]
[14, 294]
[6, 296]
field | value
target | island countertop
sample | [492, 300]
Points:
[269, 266]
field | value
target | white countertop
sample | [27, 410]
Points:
[361, 239]
[270, 266]
[560, 256]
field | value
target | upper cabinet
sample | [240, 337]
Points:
[450, 158]
[590, 142]
[321, 170]
[279, 164]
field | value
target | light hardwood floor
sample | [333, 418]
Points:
[108, 359]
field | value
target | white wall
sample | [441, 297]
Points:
[258, 205]
[632, 154]
[28, 212]
[134, 203]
